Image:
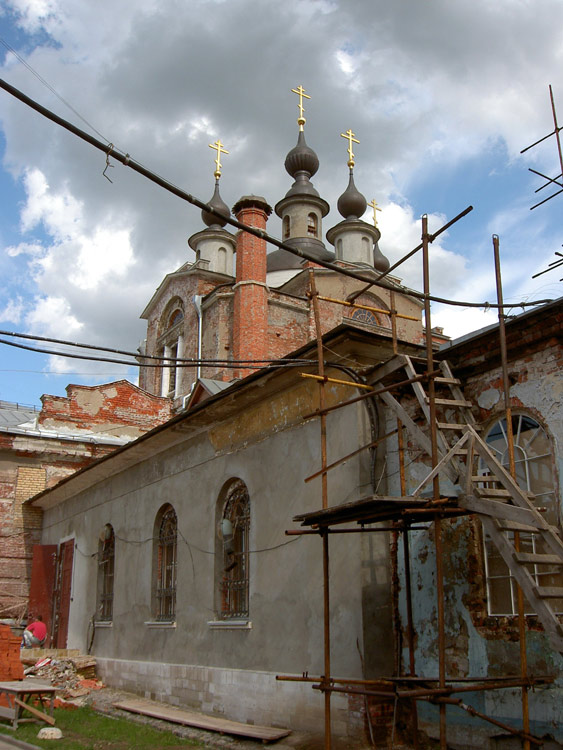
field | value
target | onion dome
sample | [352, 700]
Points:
[301, 158]
[380, 262]
[218, 204]
[351, 204]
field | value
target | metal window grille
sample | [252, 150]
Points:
[234, 583]
[166, 567]
[106, 567]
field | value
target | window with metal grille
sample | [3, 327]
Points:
[312, 225]
[534, 464]
[106, 567]
[235, 526]
[165, 568]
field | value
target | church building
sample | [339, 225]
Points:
[242, 307]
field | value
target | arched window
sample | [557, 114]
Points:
[171, 345]
[176, 317]
[312, 225]
[285, 227]
[535, 473]
[365, 316]
[106, 566]
[164, 564]
[232, 558]
[222, 260]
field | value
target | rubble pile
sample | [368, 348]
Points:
[75, 676]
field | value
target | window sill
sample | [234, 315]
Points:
[164, 625]
[230, 624]
[103, 623]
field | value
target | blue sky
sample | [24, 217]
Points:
[442, 96]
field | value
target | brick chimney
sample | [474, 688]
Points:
[250, 324]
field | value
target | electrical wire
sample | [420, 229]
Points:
[51, 89]
[169, 362]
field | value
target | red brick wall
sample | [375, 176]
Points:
[11, 667]
[101, 408]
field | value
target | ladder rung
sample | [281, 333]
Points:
[549, 592]
[456, 426]
[532, 557]
[499, 494]
[453, 402]
[448, 381]
[486, 478]
[506, 525]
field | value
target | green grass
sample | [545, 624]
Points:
[84, 729]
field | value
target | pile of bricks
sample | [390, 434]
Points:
[11, 667]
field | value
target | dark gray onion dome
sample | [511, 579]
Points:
[351, 204]
[301, 158]
[218, 204]
[282, 259]
[380, 262]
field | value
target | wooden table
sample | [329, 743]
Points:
[18, 694]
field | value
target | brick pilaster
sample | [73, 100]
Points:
[250, 315]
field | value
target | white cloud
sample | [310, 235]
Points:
[13, 311]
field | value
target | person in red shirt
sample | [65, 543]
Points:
[35, 633]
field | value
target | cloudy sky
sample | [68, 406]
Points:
[442, 96]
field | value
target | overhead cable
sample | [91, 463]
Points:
[169, 362]
[137, 355]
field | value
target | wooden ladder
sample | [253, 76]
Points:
[503, 507]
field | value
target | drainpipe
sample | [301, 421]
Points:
[197, 298]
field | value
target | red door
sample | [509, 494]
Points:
[61, 600]
[42, 587]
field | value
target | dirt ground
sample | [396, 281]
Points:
[103, 700]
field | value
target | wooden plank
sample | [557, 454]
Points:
[392, 365]
[454, 403]
[456, 426]
[202, 721]
[7, 713]
[549, 592]
[537, 559]
[506, 525]
[35, 711]
[448, 381]
[491, 492]
[497, 510]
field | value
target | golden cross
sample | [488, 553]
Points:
[300, 91]
[375, 207]
[351, 138]
[218, 146]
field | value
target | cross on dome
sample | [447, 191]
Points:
[373, 204]
[300, 91]
[218, 146]
[351, 138]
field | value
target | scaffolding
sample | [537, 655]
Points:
[493, 494]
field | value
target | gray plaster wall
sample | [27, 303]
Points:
[285, 632]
